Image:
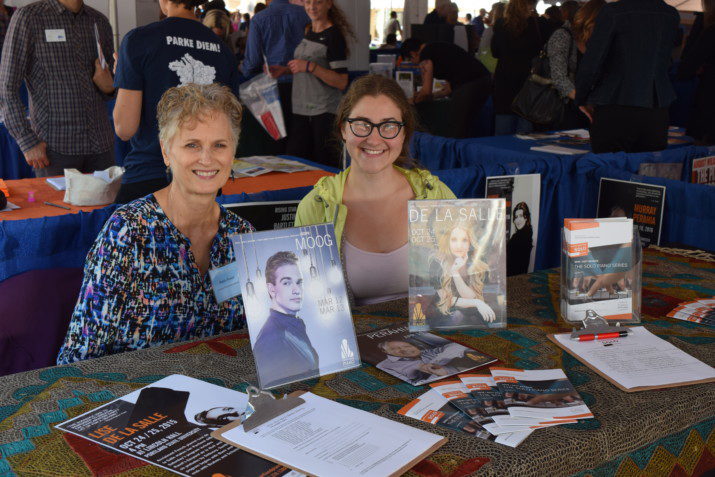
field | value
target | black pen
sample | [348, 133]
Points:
[57, 205]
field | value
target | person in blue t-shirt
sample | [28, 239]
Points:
[153, 58]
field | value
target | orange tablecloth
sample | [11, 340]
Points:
[46, 193]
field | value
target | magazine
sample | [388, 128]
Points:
[703, 171]
[417, 358]
[168, 424]
[457, 264]
[523, 195]
[539, 394]
[644, 203]
[296, 303]
[266, 215]
[433, 408]
[598, 269]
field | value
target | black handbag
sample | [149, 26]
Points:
[538, 101]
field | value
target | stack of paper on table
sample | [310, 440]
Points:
[638, 362]
[559, 150]
[698, 311]
[323, 437]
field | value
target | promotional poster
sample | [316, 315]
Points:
[523, 198]
[169, 423]
[266, 215]
[457, 264]
[417, 358]
[296, 304]
[644, 203]
[703, 171]
[597, 273]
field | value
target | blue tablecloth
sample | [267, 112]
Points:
[12, 161]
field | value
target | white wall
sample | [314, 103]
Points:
[415, 12]
[358, 14]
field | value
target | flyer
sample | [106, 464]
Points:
[297, 309]
[168, 424]
[266, 215]
[417, 358]
[644, 203]
[522, 194]
[703, 171]
[457, 264]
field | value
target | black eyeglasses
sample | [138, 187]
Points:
[363, 128]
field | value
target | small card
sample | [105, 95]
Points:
[53, 36]
[225, 282]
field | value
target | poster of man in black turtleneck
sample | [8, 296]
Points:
[522, 194]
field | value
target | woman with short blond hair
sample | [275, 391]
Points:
[146, 279]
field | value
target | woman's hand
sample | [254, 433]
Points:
[276, 71]
[485, 310]
[297, 66]
[458, 263]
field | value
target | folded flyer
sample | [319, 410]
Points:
[458, 395]
[435, 409]
[699, 311]
[417, 358]
[168, 424]
[544, 394]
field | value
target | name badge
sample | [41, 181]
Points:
[225, 282]
[55, 35]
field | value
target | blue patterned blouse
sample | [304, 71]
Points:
[142, 286]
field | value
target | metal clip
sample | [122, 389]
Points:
[263, 407]
[593, 323]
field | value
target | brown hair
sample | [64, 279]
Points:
[584, 20]
[337, 18]
[496, 13]
[218, 19]
[708, 13]
[182, 104]
[276, 261]
[376, 85]
[517, 14]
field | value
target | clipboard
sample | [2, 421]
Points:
[218, 434]
[605, 376]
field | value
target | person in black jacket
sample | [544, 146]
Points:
[517, 40]
[699, 57]
[521, 242]
[622, 82]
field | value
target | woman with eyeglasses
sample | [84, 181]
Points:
[367, 202]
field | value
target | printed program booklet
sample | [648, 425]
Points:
[540, 394]
[168, 424]
[644, 203]
[296, 303]
[435, 409]
[523, 196]
[597, 269]
[266, 215]
[417, 358]
[457, 264]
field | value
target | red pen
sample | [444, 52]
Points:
[602, 336]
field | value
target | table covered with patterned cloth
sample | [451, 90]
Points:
[659, 432]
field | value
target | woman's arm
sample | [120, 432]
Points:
[558, 49]
[326, 75]
[106, 289]
[127, 113]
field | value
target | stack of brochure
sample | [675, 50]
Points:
[504, 407]
[698, 311]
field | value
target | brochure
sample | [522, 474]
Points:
[433, 408]
[296, 303]
[323, 437]
[597, 269]
[457, 264]
[540, 394]
[417, 358]
[699, 311]
[485, 391]
[266, 215]
[565, 151]
[644, 203]
[523, 195]
[703, 171]
[168, 424]
[275, 164]
[458, 395]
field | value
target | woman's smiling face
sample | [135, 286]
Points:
[373, 154]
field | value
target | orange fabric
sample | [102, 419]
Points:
[44, 192]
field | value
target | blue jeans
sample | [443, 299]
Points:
[511, 124]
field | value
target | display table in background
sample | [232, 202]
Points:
[659, 432]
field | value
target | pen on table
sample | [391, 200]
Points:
[57, 205]
[601, 336]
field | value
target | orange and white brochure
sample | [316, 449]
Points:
[435, 409]
[543, 394]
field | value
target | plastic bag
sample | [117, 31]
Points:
[100, 188]
[260, 94]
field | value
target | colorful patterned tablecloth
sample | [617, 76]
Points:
[660, 432]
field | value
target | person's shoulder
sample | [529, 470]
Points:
[235, 224]
[141, 33]
[96, 14]
[434, 187]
